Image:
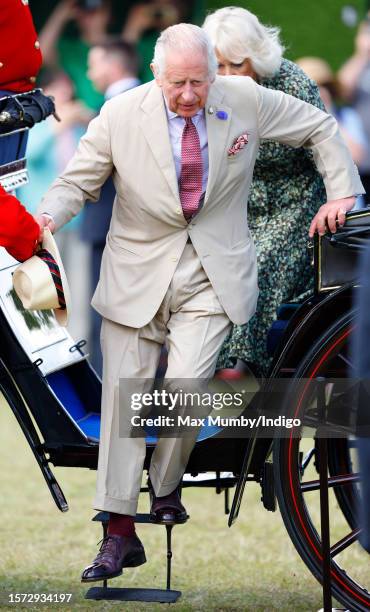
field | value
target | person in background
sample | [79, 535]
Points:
[354, 79]
[348, 119]
[112, 68]
[143, 25]
[20, 62]
[286, 189]
[51, 145]
[64, 50]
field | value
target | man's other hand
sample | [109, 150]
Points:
[330, 215]
[45, 220]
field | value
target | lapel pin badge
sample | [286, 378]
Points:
[221, 115]
[211, 110]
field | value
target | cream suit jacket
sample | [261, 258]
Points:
[148, 231]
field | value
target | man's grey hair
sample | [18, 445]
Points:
[238, 34]
[184, 38]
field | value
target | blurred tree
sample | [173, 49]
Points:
[324, 28]
[41, 10]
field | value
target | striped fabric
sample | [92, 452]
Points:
[55, 274]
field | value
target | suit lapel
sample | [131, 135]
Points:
[155, 127]
[217, 132]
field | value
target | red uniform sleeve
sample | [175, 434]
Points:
[19, 231]
[20, 55]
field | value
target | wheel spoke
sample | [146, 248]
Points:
[333, 481]
[346, 360]
[345, 542]
[307, 459]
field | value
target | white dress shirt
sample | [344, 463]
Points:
[120, 86]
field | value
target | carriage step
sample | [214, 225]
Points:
[166, 595]
[142, 518]
[103, 517]
[148, 595]
[335, 610]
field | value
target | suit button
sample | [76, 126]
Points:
[1, 64]
[37, 44]
[33, 79]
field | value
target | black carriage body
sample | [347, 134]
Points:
[59, 438]
[58, 409]
[46, 407]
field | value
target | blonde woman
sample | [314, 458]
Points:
[286, 191]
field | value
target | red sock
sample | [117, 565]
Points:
[121, 524]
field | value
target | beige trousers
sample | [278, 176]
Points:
[193, 325]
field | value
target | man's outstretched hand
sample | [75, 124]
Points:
[330, 215]
[45, 220]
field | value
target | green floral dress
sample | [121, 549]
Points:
[286, 192]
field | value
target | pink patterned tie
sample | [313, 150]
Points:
[191, 170]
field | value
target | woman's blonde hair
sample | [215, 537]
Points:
[238, 34]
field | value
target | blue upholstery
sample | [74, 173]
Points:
[87, 418]
[67, 395]
[90, 425]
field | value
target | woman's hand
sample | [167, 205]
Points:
[330, 215]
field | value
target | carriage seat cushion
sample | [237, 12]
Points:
[284, 313]
[88, 419]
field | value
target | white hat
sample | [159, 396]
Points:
[41, 282]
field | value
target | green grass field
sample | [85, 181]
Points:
[252, 566]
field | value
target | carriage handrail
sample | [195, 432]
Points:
[343, 239]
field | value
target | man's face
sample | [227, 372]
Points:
[98, 68]
[185, 82]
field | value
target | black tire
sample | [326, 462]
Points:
[324, 359]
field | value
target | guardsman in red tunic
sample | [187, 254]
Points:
[20, 62]
[20, 55]
[19, 232]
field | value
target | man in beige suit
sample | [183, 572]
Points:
[179, 264]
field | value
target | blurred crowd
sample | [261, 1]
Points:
[84, 64]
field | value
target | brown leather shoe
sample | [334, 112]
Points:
[115, 553]
[167, 510]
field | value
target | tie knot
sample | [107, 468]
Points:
[188, 121]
